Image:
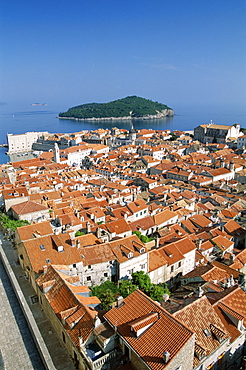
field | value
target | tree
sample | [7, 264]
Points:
[98, 289]
[107, 298]
[137, 233]
[142, 280]
[79, 233]
[126, 287]
[10, 223]
[173, 137]
[156, 293]
[143, 238]
[165, 288]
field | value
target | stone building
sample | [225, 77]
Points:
[211, 132]
[23, 142]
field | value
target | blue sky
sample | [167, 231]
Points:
[73, 52]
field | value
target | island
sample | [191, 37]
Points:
[131, 107]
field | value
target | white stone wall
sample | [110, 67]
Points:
[213, 358]
[159, 275]
[139, 263]
[189, 261]
[23, 142]
[96, 274]
[76, 157]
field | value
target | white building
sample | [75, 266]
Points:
[23, 142]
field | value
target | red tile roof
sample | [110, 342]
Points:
[165, 334]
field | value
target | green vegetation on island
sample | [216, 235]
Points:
[131, 106]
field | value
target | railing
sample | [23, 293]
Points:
[99, 363]
[95, 365]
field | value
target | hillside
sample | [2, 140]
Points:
[129, 107]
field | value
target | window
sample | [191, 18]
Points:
[34, 299]
[88, 278]
[89, 266]
[74, 265]
[42, 247]
[105, 274]
[48, 260]
[130, 271]
[179, 264]
[172, 268]
[220, 358]
[63, 337]
[206, 332]
[142, 266]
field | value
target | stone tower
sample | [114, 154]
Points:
[56, 154]
[132, 134]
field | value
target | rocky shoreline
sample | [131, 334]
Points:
[164, 113]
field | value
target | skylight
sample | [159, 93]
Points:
[41, 246]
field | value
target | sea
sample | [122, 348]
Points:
[18, 119]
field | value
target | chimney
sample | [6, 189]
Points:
[81, 341]
[232, 283]
[99, 232]
[56, 231]
[157, 242]
[88, 227]
[72, 238]
[120, 301]
[166, 357]
[45, 268]
[96, 321]
[199, 243]
[165, 297]
[232, 258]
[200, 292]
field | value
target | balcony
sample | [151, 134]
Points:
[95, 357]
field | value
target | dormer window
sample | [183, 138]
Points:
[206, 332]
[130, 255]
[142, 250]
[60, 248]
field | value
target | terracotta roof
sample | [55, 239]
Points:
[67, 305]
[157, 258]
[200, 317]
[34, 231]
[137, 205]
[49, 254]
[165, 334]
[118, 226]
[143, 223]
[164, 216]
[28, 207]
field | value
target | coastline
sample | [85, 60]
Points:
[169, 113]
